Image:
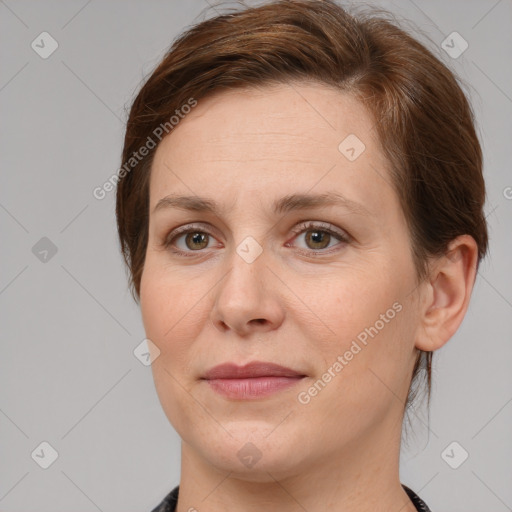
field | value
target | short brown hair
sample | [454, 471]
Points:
[424, 121]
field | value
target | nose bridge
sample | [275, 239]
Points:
[244, 299]
[250, 234]
[245, 279]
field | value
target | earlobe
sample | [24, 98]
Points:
[448, 293]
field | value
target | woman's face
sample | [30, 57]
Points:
[325, 289]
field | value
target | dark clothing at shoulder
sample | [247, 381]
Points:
[169, 502]
[420, 505]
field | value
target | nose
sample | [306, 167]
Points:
[247, 298]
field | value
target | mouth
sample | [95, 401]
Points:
[251, 381]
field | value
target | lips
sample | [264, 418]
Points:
[253, 380]
[250, 370]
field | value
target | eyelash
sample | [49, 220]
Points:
[299, 229]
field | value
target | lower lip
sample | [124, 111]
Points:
[256, 387]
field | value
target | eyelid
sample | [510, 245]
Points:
[321, 226]
[189, 227]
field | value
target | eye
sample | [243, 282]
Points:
[318, 236]
[195, 238]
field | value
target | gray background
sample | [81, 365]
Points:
[69, 326]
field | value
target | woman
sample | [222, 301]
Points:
[301, 211]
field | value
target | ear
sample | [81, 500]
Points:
[447, 293]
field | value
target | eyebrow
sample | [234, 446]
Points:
[283, 205]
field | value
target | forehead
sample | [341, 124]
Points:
[292, 136]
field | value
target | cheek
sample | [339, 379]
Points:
[367, 321]
[169, 305]
[167, 316]
[347, 303]
[365, 369]
[173, 317]
[153, 302]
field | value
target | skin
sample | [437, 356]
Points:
[340, 451]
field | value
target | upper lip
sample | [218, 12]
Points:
[250, 370]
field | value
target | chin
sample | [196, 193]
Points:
[267, 469]
[249, 455]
